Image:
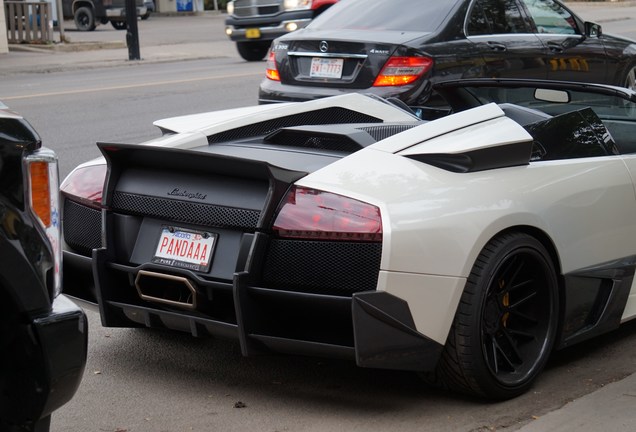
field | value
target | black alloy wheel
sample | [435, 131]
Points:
[84, 19]
[506, 322]
[119, 25]
[630, 78]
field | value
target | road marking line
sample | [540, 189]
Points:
[123, 87]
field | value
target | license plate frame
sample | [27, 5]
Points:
[326, 67]
[185, 248]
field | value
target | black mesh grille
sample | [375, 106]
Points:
[182, 211]
[249, 8]
[324, 116]
[82, 227]
[383, 132]
[320, 267]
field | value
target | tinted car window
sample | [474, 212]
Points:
[550, 17]
[495, 17]
[425, 16]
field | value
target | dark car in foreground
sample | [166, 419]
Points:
[43, 335]
[395, 48]
[466, 247]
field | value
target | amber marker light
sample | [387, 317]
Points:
[40, 191]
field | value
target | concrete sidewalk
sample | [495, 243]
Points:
[612, 408]
[161, 38]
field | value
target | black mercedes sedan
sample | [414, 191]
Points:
[396, 48]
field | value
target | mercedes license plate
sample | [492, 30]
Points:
[183, 248]
[326, 67]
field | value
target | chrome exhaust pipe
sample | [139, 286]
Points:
[167, 289]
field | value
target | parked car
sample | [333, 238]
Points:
[466, 247]
[253, 24]
[43, 335]
[393, 49]
[150, 8]
[87, 14]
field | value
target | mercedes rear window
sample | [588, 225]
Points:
[400, 15]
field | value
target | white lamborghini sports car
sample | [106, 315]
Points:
[465, 240]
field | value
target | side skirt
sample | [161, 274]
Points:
[595, 299]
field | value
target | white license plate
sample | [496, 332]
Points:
[326, 67]
[184, 248]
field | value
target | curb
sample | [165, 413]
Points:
[66, 46]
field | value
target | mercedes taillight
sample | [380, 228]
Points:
[271, 70]
[399, 71]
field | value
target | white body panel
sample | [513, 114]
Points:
[215, 122]
[437, 222]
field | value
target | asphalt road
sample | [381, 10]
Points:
[143, 380]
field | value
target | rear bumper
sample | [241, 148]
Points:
[273, 92]
[375, 329]
[120, 13]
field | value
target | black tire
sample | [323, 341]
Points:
[252, 51]
[145, 16]
[119, 25]
[84, 19]
[630, 78]
[506, 323]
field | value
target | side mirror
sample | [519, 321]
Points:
[593, 29]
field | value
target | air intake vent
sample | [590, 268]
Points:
[312, 140]
[182, 211]
[334, 115]
[384, 131]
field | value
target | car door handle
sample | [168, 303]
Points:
[496, 46]
[555, 47]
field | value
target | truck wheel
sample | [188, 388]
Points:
[252, 51]
[84, 19]
[119, 25]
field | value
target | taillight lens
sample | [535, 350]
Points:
[318, 215]
[272, 71]
[399, 71]
[85, 185]
[43, 200]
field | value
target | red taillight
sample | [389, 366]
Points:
[272, 71]
[317, 215]
[85, 185]
[399, 71]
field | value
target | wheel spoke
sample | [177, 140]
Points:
[503, 356]
[523, 300]
[522, 334]
[526, 317]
